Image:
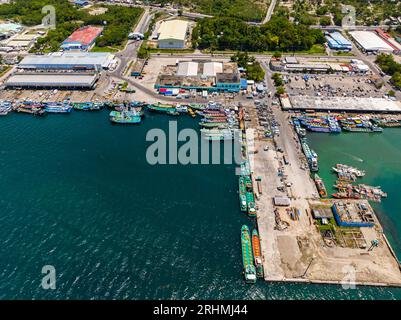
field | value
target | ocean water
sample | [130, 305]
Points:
[77, 193]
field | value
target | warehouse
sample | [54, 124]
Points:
[336, 41]
[47, 81]
[172, 34]
[82, 39]
[68, 61]
[370, 42]
[200, 75]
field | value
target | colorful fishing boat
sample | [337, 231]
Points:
[124, 117]
[247, 256]
[257, 253]
[321, 188]
[58, 107]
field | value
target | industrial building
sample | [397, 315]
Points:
[47, 81]
[336, 41]
[82, 39]
[200, 75]
[172, 34]
[68, 61]
[9, 29]
[63, 70]
[370, 42]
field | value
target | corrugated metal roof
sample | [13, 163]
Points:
[370, 41]
[51, 80]
[187, 69]
[68, 58]
[173, 29]
[210, 69]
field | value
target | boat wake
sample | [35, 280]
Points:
[354, 157]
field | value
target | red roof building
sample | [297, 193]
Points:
[82, 39]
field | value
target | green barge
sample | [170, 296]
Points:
[247, 256]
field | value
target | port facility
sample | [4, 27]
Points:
[82, 39]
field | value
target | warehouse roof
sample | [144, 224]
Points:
[370, 41]
[68, 58]
[173, 29]
[210, 69]
[85, 35]
[187, 69]
[339, 38]
[51, 80]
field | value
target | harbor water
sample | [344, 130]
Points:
[78, 194]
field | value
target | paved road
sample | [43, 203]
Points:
[270, 11]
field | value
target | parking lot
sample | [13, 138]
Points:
[332, 86]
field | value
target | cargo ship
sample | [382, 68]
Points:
[247, 257]
[242, 194]
[320, 186]
[311, 156]
[257, 253]
[124, 118]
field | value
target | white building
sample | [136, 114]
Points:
[172, 34]
[370, 42]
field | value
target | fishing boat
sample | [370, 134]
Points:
[247, 256]
[58, 107]
[311, 156]
[161, 108]
[257, 253]
[320, 186]
[191, 112]
[5, 107]
[181, 108]
[124, 117]
[242, 194]
[213, 124]
[30, 107]
[87, 106]
[250, 197]
[342, 168]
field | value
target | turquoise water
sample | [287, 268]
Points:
[78, 194]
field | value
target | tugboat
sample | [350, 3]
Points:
[257, 253]
[247, 257]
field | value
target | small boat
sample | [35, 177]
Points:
[247, 256]
[257, 253]
[181, 108]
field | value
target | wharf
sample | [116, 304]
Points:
[298, 253]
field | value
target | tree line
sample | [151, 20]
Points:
[224, 33]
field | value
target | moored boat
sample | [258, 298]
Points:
[247, 256]
[124, 117]
[257, 253]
